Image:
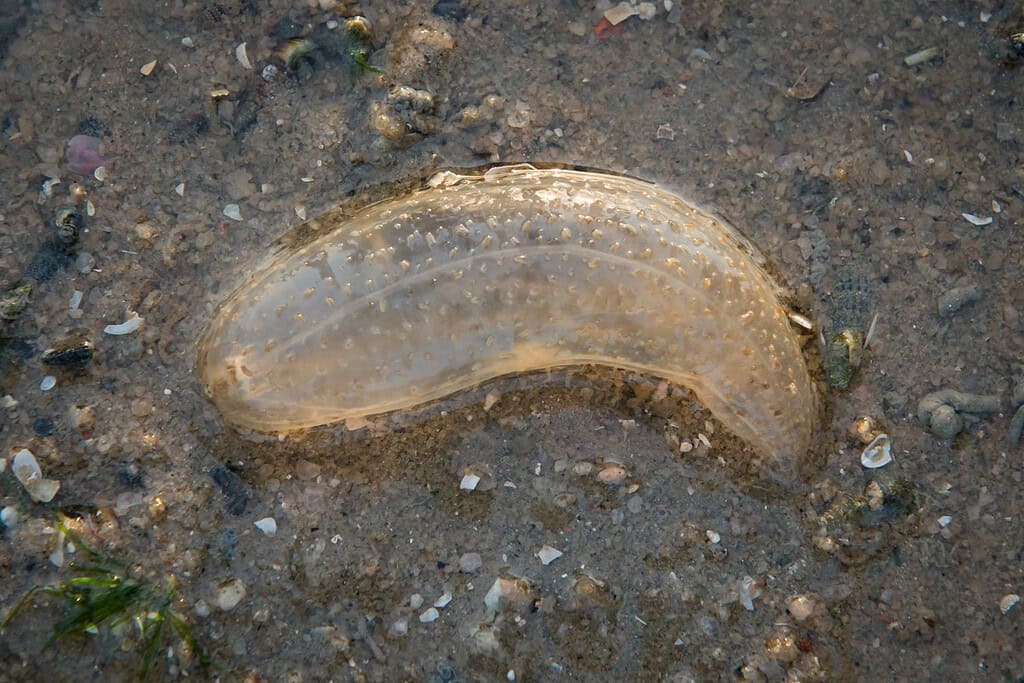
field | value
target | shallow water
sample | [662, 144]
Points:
[718, 101]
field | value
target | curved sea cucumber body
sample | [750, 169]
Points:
[517, 270]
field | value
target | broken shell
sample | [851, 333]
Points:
[1007, 602]
[27, 471]
[267, 525]
[233, 212]
[612, 474]
[68, 221]
[618, 14]
[750, 590]
[864, 429]
[75, 351]
[547, 554]
[133, 323]
[242, 56]
[147, 68]
[977, 220]
[516, 592]
[878, 453]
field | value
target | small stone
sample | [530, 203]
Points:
[147, 68]
[399, 628]
[430, 614]
[800, 607]
[415, 601]
[27, 471]
[202, 609]
[9, 517]
[944, 521]
[713, 536]
[49, 382]
[268, 525]
[469, 482]
[229, 594]
[141, 408]
[582, 468]
[470, 563]
[180, 189]
[443, 601]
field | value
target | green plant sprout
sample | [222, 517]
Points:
[108, 593]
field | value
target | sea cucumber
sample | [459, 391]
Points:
[518, 269]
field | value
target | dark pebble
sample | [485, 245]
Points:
[42, 426]
[50, 259]
[130, 476]
[450, 9]
[229, 543]
[234, 489]
[91, 125]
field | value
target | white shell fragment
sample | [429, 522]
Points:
[750, 590]
[618, 14]
[267, 525]
[242, 56]
[180, 189]
[547, 554]
[1007, 602]
[945, 520]
[230, 593]
[878, 453]
[976, 220]
[469, 482]
[76, 300]
[443, 601]
[233, 212]
[9, 517]
[430, 614]
[100, 173]
[147, 68]
[49, 382]
[27, 471]
[921, 57]
[133, 323]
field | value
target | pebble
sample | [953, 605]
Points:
[9, 517]
[399, 628]
[415, 601]
[42, 426]
[612, 474]
[49, 382]
[443, 601]
[430, 614]
[800, 607]
[470, 563]
[469, 482]
[268, 525]
[954, 299]
[229, 594]
[940, 410]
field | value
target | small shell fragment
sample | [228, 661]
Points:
[27, 471]
[133, 323]
[268, 525]
[443, 601]
[878, 453]
[921, 56]
[180, 189]
[547, 554]
[750, 590]
[233, 212]
[230, 593]
[469, 482]
[147, 68]
[300, 211]
[618, 14]
[242, 56]
[976, 220]
[944, 521]
[100, 173]
[430, 614]
[1007, 602]
[49, 382]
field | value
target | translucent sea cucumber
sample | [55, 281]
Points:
[515, 270]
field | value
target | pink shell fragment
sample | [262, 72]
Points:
[83, 154]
